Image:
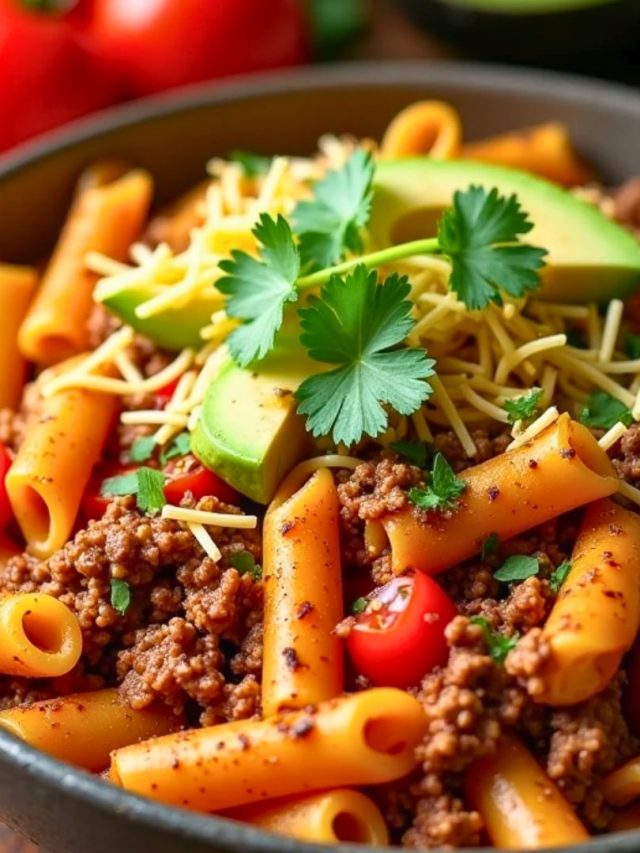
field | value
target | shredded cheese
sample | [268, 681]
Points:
[210, 519]
[614, 434]
[204, 538]
[545, 420]
[611, 330]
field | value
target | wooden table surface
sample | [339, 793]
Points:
[389, 37]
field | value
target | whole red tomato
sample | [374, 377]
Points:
[399, 637]
[49, 74]
[158, 44]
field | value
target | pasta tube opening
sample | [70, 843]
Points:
[41, 636]
[381, 735]
[349, 827]
[589, 452]
[36, 522]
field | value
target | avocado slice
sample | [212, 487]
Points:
[172, 330]
[249, 431]
[590, 257]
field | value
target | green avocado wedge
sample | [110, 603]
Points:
[590, 258]
[249, 431]
[172, 330]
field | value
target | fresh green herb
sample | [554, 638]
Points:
[523, 408]
[517, 567]
[142, 448]
[258, 290]
[358, 325]
[334, 23]
[602, 411]
[359, 605]
[631, 345]
[559, 575]
[120, 595]
[244, 562]
[145, 483]
[417, 452]
[443, 490]
[253, 165]
[497, 644]
[180, 446]
[480, 234]
[490, 546]
[123, 484]
[150, 497]
[330, 224]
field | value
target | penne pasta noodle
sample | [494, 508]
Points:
[558, 470]
[596, 616]
[626, 820]
[331, 817]
[622, 785]
[83, 728]
[107, 215]
[425, 127]
[360, 739]
[302, 597]
[521, 807]
[40, 636]
[17, 286]
[54, 463]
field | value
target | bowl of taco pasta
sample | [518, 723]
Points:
[320, 469]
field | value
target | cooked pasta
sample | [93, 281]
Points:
[320, 490]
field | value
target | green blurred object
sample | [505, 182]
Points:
[334, 25]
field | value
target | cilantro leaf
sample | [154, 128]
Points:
[358, 325]
[123, 484]
[479, 234]
[517, 567]
[490, 546]
[120, 595]
[253, 165]
[497, 644]
[602, 411]
[417, 452]
[330, 223]
[443, 490]
[150, 490]
[142, 448]
[180, 446]
[258, 289]
[523, 408]
[359, 605]
[631, 345]
[244, 561]
[559, 575]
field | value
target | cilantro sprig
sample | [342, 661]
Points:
[497, 644]
[559, 575]
[147, 484]
[359, 325]
[443, 489]
[416, 452]
[120, 595]
[329, 225]
[602, 411]
[517, 567]
[523, 408]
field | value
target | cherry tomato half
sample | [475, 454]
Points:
[400, 635]
[6, 513]
[187, 474]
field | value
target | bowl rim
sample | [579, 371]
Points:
[84, 788]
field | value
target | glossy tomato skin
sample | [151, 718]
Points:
[400, 636]
[49, 74]
[187, 474]
[159, 44]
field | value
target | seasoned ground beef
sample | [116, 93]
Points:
[627, 455]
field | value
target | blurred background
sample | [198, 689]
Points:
[63, 59]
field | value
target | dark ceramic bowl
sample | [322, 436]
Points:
[66, 810]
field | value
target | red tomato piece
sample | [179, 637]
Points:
[188, 474]
[400, 635]
[49, 73]
[6, 513]
[158, 44]
[94, 504]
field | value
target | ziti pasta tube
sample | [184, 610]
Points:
[426, 127]
[521, 807]
[84, 728]
[17, 286]
[622, 785]
[107, 215]
[560, 469]
[360, 739]
[39, 636]
[544, 150]
[54, 462]
[302, 597]
[331, 817]
[596, 616]
[626, 820]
